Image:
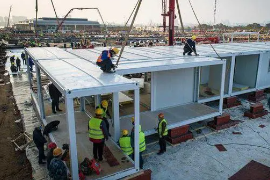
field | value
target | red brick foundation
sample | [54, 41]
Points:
[222, 122]
[256, 96]
[181, 138]
[179, 134]
[142, 175]
[256, 111]
[231, 102]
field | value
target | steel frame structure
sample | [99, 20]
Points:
[81, 93]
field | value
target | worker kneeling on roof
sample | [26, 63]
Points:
[97, 134]
[190, 46]
[104, 60]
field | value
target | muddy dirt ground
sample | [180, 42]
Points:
[14, 165]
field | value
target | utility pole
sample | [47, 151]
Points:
[36, 18]
[8, 23]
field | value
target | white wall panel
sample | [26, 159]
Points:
[173, 87]
[264, 71]
[245, 72]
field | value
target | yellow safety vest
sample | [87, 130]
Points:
[160, 128]
[94, 129]
[104, 111]
[125, 145]
[142, 141]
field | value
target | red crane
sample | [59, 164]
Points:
[171, 14]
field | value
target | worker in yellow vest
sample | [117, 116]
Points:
[162, 132]
[97, 134]
[125, 144]
[104, 106]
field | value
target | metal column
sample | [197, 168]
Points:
[28, 70]
[137, 123]
[171, 21]
[196, 84]
[72, 137]
[82, 104]
[222, 87]
[97, 100]
[258, 70]
[116, 120]
[231, 76]
[40, 94]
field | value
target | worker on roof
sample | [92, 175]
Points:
[190, 46]
[162, 133]
[97, 134]
[104, 106]
[57, 168]
[142, 145]
[104, 60]
[125, 144]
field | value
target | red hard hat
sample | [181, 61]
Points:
[52, 145]
[161, 115]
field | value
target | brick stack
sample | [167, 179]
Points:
[256, 110]
[142, 175]
[179, 134]
[231, 102]
[256, 96]
[222, 122]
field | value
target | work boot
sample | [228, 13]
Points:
[160, 153]
[58, 110]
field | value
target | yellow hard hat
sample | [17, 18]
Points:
[125, 132]
[104, 103]
[194, 37]
[57, 152]
[116, 50]
[99, 111]
[132, 119]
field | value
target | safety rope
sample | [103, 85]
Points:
[130, 28]
[200, 26]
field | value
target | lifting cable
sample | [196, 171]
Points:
[137, 7]
[200, 26]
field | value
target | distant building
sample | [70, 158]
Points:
[46, 24]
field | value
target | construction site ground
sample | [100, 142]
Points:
[196, 159]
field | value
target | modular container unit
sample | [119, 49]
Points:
[174, 84]
[77, 78]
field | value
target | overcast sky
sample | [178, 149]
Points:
[118, 11]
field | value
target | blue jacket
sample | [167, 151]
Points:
[105, 55]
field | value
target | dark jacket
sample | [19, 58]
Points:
[38, 138]
[190, 44]
[23, 56]
[57, 169]
[54, 92]
[49, 158]
[18, 62]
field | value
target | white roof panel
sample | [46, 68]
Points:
[43, 53]
[139, 60]
[78, 75]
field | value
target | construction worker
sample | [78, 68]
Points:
[125, 144]
[142, 144]
[18, 64]
[162, 133]
[190, 46]
[104, 60]
[39, 141]
[57, 168]
[12, 59]
[51, 147]
[13, 68]
[104, 105]
[66, 157]
[97, 133]
[55, 94]
[30, 63]
[23, 58]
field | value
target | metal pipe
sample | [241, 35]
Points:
[171, 21]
